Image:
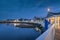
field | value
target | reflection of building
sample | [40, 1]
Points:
[54, 18]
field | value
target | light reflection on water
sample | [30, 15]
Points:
[9, 31]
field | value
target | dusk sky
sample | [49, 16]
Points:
[27, 8]
[15, 9]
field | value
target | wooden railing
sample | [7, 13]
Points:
[48, 34]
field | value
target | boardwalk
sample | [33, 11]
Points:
[57, 34]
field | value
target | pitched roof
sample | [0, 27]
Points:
[50, 14]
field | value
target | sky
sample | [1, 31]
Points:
[27, 8]
[15, 9]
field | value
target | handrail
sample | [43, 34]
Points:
[48, 34]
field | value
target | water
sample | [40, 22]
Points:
[11, 32]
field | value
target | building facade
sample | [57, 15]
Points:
[54, 18]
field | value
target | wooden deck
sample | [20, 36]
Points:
[57, 34]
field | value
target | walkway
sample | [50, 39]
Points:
[57, 34]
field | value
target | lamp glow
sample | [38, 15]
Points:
[48, 9]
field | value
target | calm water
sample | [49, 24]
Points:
[11, 32]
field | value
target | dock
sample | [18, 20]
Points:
[57, 34]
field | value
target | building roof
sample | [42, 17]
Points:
[50, 14]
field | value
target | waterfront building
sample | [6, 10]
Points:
[54, 18]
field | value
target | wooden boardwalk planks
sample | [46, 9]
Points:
[57, 34]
